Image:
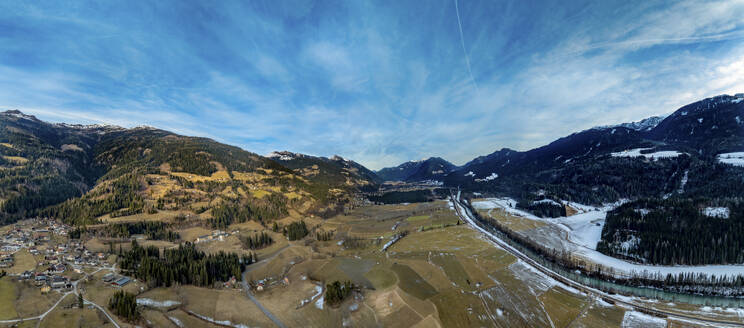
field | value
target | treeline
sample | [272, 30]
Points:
[543, 208]
[184, 265]
[296, 230]
[324, 235]
[257, 241]
[270, 207]
[703, 284]
[120, 197]
[336, 292]
[154, 230]
[675, 231]
[397, 197]
[124, 305]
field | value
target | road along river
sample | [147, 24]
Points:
[594, 286]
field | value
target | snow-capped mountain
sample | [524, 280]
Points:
[646, 124]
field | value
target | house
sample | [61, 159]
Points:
[57, 268]
[26, 275]
[203, 238]
[58, 282]
[6, 262]
[121, 282]
[108, 277]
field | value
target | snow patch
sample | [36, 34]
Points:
[319, 303]
[154, 303]
[736, 159]
[470, 174]
[218, 322]
[717, 212]
[654, 156]
[633, 319]
[488, 178]
[176, 321]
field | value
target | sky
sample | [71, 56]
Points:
[379, 82]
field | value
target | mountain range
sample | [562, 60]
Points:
[89, 173]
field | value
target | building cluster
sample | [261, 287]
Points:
[116, 280]
[215, 235]
[30, 234]
[54, 256]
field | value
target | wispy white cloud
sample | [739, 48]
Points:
[378, 84]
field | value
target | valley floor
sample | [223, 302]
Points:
[442, 274]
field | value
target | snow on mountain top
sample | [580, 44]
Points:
[90, 126]
[19, 114]
[282, 155]
[643, 125]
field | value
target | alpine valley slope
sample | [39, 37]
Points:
[90, 174]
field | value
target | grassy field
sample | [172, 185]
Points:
[562, 306]
[67, 315]
[23, 261]
[16, 160]
[515, 223]
[8, 296]
[412, 283]
[599, 315]
[418, 218]
[31, 302]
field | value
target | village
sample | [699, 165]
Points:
[58, 259]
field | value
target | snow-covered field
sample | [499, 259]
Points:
[736, 159]
[154, 303]
[634, 319]
[584, 230]
[717, 212]
[655, 155]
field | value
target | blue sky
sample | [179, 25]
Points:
[379, 82]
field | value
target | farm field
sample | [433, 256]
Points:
[442, 273]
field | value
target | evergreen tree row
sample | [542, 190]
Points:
[124, 305]
[296, 230]
[324, 235]
[675, 231]
[257, 241]
[184, 265]
[336, 292]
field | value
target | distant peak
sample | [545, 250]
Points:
[90, 126]
[643, 125]
[283, 155]
[19, 114]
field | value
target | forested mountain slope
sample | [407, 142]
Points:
[623, 161]
[433, 168]
[89, 174]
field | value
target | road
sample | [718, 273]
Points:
[467, 217]
[249, 292]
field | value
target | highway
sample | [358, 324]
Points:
[464, 213]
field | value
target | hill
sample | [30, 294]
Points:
[650, 158]
[433, 168]
[90, 174]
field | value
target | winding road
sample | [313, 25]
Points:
[249, 293]
[74, 291]
[463, 212]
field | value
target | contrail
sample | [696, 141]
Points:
[462, 42]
